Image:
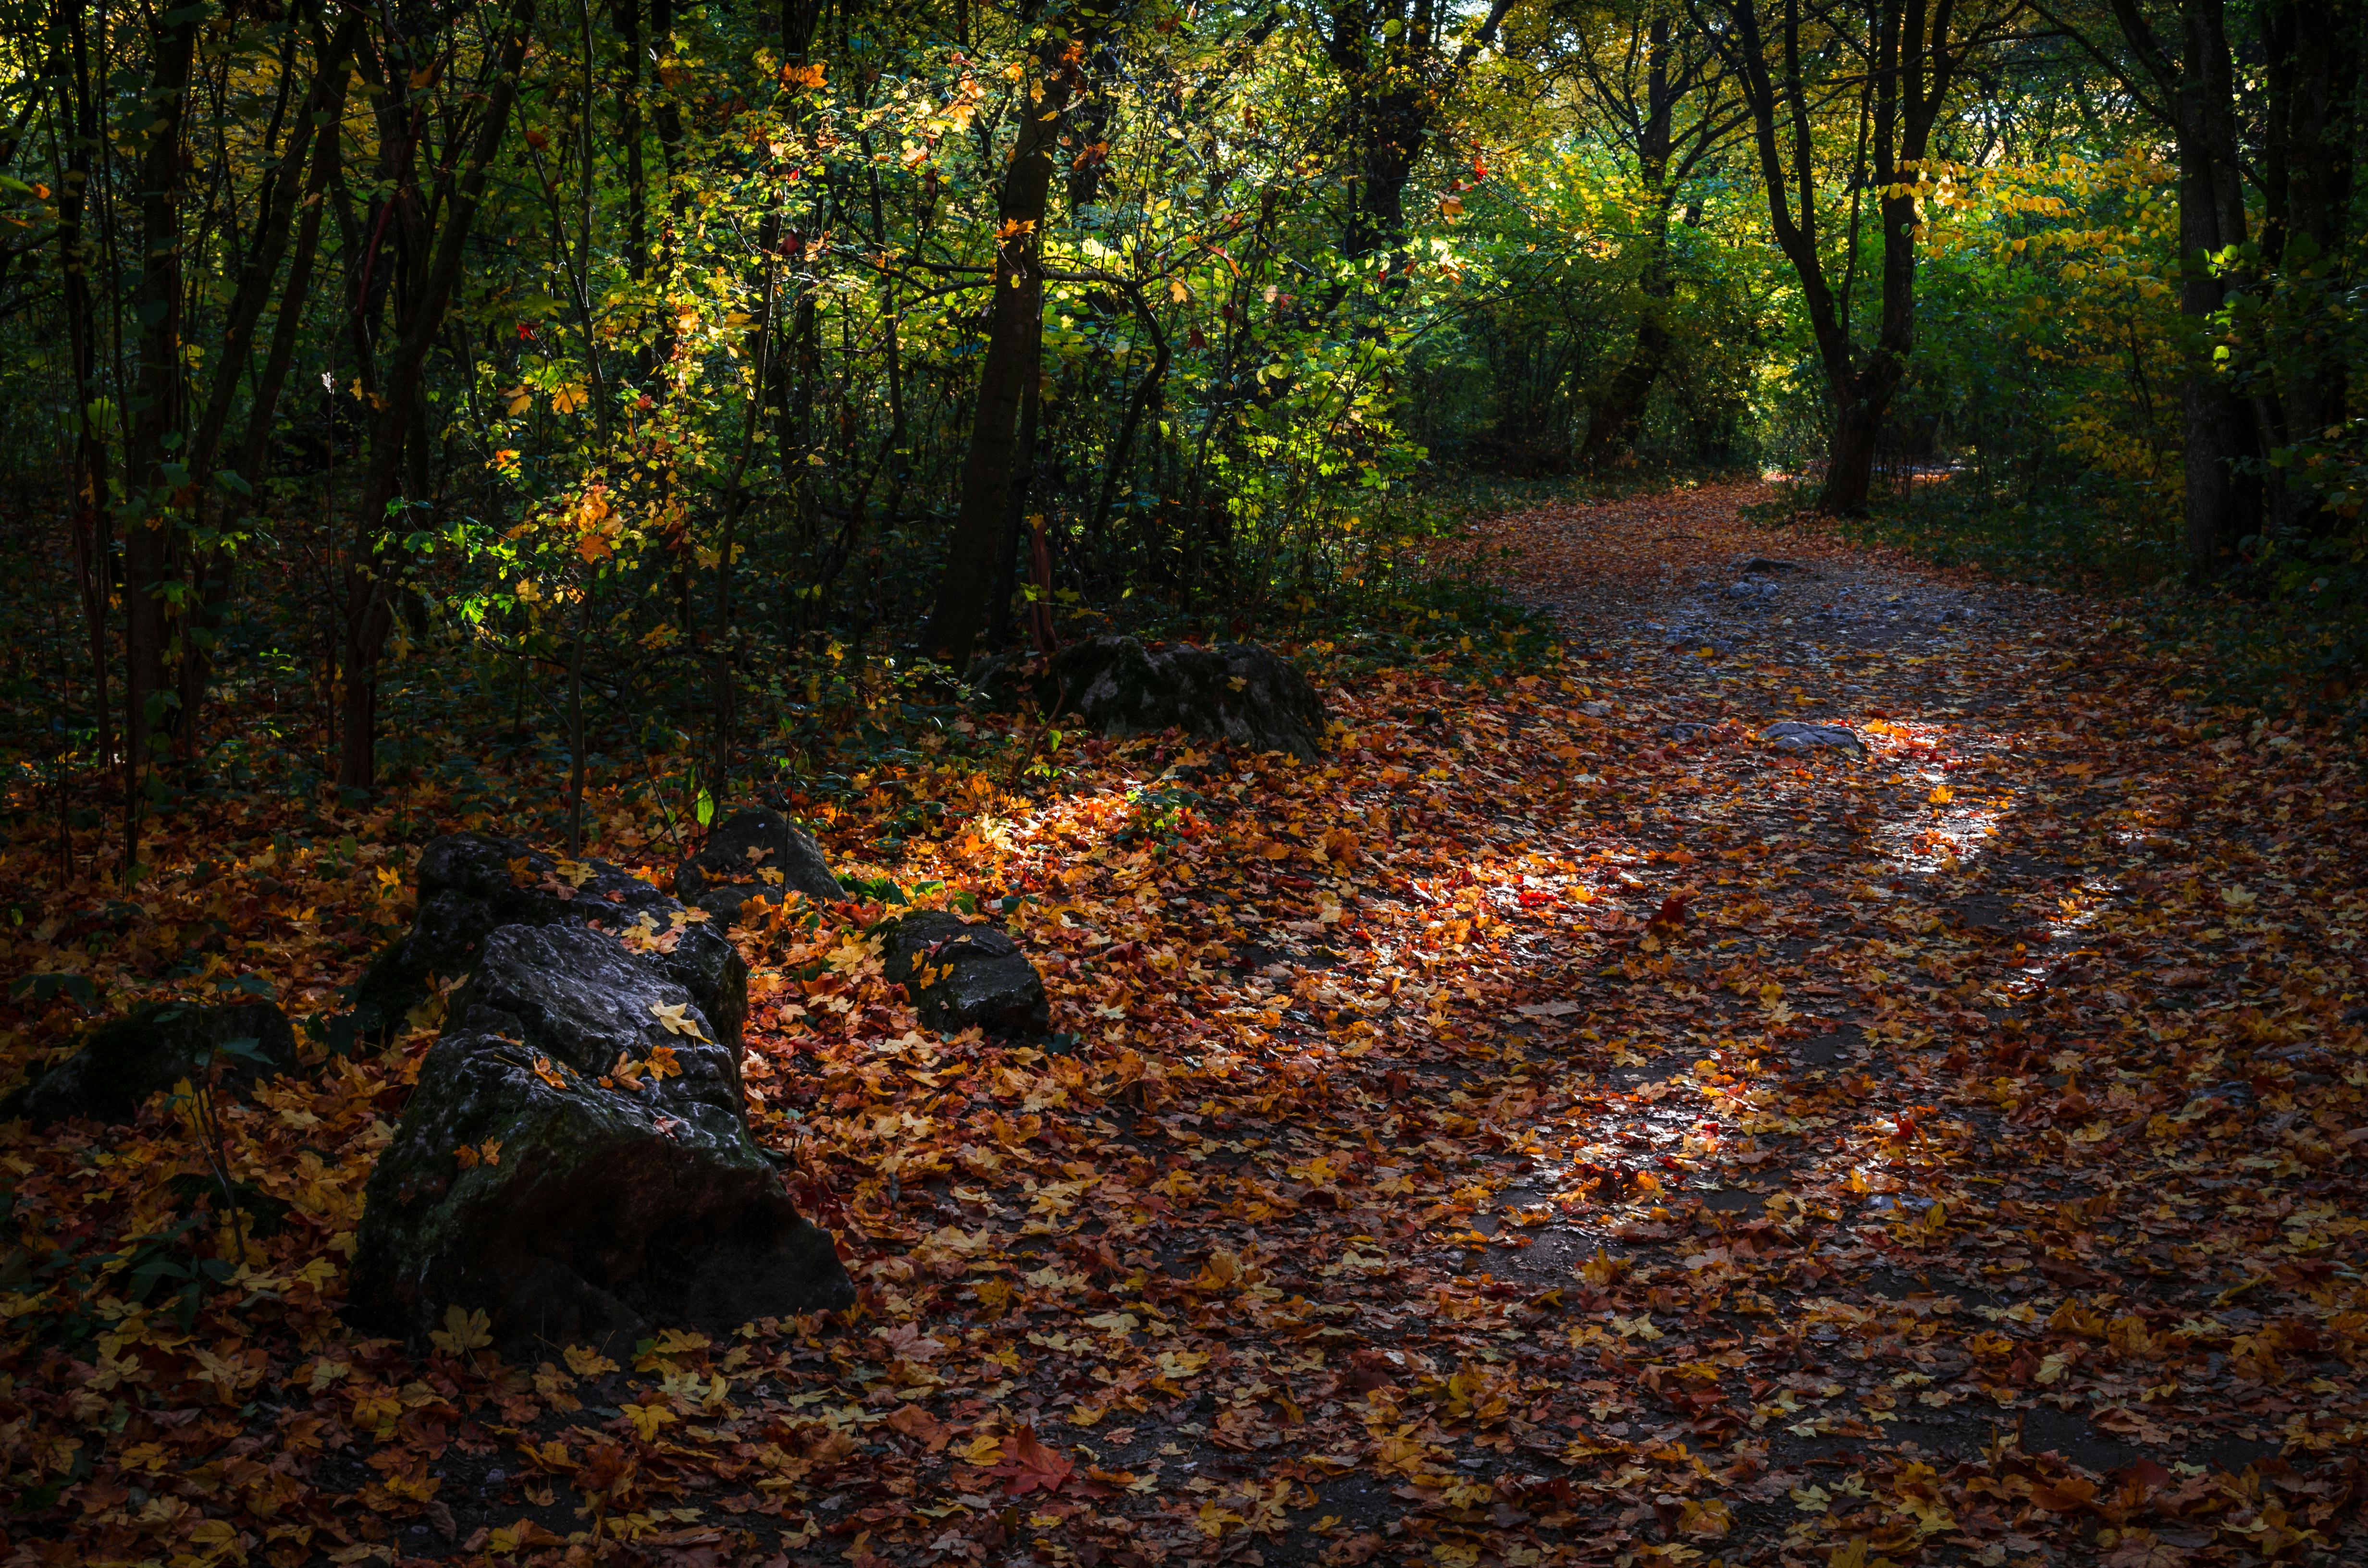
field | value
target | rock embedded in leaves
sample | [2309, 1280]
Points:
[473, 883]
[756, 855]
[1792, 734]
[121, 1062]
[1234, 691]
[962, 975]
[575, 1163]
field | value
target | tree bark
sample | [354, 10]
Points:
[2197, 92]
[302, 179]
[1014, 322]
[1619, 414]
[1915, 62]
[151, 545]
[370, 573]
[2313, 62]
[93, 538]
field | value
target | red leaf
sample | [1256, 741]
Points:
[1028, 1465]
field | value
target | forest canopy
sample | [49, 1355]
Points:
[650, 372]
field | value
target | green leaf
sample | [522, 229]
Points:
[42, 987]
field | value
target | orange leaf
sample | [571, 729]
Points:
[2069, 1495]
[922, 1427]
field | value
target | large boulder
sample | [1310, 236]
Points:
[575, 1163]
[122, 1062]
[472, 883]
[1234, 691]
[757, 854]
[960, 975]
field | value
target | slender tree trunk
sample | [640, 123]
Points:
[627, 16]
[1619, 414]
[1023, 475]
[306, 163]
[371, 579]
[1014, 322]
[151, 551]
[577, 761]
[93, 538]
[2314, 62]
[2222, 501]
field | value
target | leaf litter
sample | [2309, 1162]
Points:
[1561, 1128]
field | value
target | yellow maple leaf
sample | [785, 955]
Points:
[647, 1419]
[851, 955]
[587, 1362]
[464, 1329]
[676, 1016]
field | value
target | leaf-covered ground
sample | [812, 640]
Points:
[1559, 1129]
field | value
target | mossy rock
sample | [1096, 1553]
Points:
[960, 975]
[473, 883]
[757, 854]
[530, 1179]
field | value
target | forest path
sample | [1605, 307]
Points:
[1559, 1127]
[1972, 1067]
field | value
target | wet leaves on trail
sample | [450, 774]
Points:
[1557, 1128]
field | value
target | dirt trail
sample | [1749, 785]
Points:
[1989, 1063]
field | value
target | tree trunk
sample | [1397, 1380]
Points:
[371, 575]
[2307, 166]
[93, 539]
[2198, 89]
[1014, 322]
[1850, 468]
[150, 547]
[2222, 502]
[1619, 414]
[306, 165]
[1024, 476]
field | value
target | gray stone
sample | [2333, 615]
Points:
[593, 1207]
[1792, 734]
[122, 1062]
[757, 854]
[472, 883]
[960, 976]
[1234, 691]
